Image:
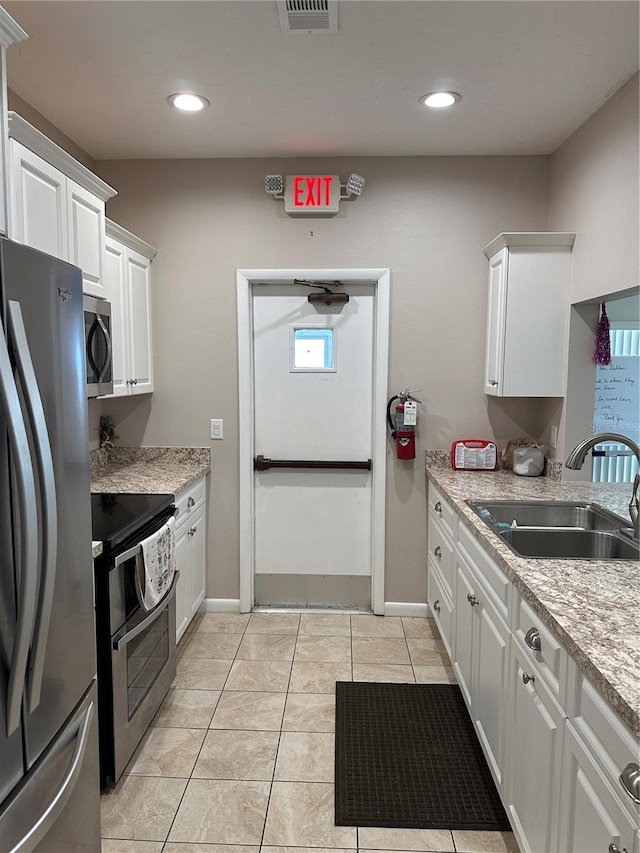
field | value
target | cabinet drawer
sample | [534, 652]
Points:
[490, 574]
[440, 605]
[441, 551]
[190, 500]
[550, 658]
[442, 510]
[613, 745]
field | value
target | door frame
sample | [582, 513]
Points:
[381, 279]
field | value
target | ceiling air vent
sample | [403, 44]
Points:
[308, 16]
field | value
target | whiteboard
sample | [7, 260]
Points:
[617, 398]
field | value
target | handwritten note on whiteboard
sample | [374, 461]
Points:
[617, 400]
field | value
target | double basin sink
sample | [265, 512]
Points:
[561, 530]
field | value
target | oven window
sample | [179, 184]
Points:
[147, 655]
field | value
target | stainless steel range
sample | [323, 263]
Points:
[136, 646]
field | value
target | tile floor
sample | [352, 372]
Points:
[239, 758]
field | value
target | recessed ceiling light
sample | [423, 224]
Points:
[437, 100]
[188, 102]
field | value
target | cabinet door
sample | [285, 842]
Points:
[38, 203]
[490, 687]
[86, 237]
[465, 589]
[496, 317]
[536, 726]
[116, 292]
[183, 591]
[591, 816]
[197, 555]
[138, 280]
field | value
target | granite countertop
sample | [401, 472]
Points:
[591, 606]
[148, 470]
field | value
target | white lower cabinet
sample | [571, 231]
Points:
[191, 545]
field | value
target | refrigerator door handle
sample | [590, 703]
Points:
[48, 504]
[109, 355]
[28, 550]
[46, 820]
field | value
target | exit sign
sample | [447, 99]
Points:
[311, 194]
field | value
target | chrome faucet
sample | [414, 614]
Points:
[575, 460]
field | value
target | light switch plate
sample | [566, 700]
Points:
[217, 428]
[554, 436]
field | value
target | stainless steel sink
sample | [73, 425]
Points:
[571, 544]
[572, 515]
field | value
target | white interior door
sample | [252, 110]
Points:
[313, 369]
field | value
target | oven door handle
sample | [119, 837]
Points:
[121, 640]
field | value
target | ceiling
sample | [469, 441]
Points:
[530, 73]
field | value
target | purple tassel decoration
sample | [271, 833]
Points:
[602, 352]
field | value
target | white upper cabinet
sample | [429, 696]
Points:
[128, 288]
[56, 204]
[10, 33]
[527, 314]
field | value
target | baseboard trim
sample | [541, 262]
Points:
[406, 608]
[221, 605]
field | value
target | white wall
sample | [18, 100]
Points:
[426, 219]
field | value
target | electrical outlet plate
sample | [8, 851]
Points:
[217, 428]
[554, 436]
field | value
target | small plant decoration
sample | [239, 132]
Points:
[107, 431]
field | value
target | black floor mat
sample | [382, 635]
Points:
[407, 756]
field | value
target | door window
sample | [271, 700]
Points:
[312, 349]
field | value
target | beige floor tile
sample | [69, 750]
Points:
[381, 838]
[173, 847]
[267, 647]
[327, 649]
[397, 673]
[190, 709]
[376, 626]
[435, 675]
[228, 754]
[325, 625]
[305, 757]
[302, 814]
[309, 712]
[467, 841]
[266, 675]
[221, 812]
[141, 807]
[309, 677]
[194, 674]
[166, 752]
[428, 653]
[118, 845]
[264, 849]
[420, 629]
[222, 623]
[273, 623]
[380, 650]
[249, 710]
[213, 646]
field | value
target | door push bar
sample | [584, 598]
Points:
[263, 463]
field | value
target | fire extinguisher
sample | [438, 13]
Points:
[406, 419]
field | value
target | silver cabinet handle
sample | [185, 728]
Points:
[493, 382]
[532, 639]
[46, 820]
[129, 381]
[527, 678]
[436, 605]
[191, 502]
[46, 478]
[438, 551]
[192, 530]
[472, 599]
[437, 507]
[630, 781]
[613, 848]
[135, 381]
[25, 483]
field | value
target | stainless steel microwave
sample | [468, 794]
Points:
[98, 348]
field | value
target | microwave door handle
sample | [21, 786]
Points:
[109, 355]
[90, 358]
[48, 503]
[28, 574]
[121, 640]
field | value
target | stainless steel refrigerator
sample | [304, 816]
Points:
[49, 775]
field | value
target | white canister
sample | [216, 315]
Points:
[528, 461]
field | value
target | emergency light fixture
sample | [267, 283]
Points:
[312, 195]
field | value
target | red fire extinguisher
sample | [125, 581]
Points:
[406, 420]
